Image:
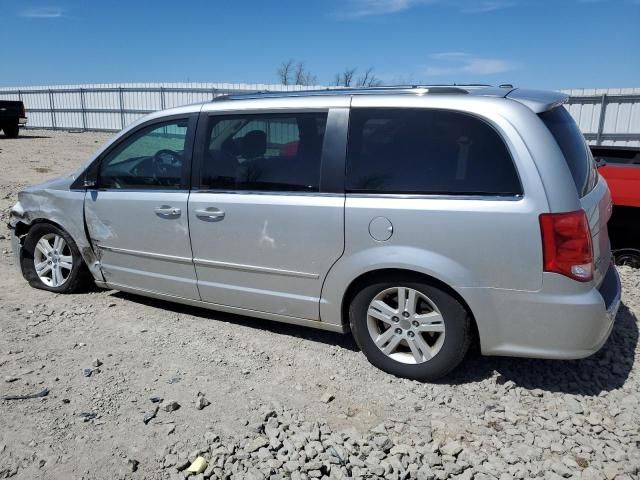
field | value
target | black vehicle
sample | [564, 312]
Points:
[12, 117]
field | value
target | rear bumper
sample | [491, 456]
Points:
[611, 292]
[22, 121]
[564, 320]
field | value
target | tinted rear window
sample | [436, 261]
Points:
[414, 151]
[574, 147]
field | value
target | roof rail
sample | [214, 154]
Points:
[405, 89]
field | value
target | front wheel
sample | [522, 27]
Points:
[11, 131]
[51, 260]
[410, 329]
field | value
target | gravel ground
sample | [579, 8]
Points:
[251, 399]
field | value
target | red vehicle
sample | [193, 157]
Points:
[620, 166]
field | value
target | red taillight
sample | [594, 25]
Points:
[566, 245]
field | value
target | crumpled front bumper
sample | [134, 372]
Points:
[16, 246]
[16, 215]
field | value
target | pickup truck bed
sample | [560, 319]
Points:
[12, 117]
[620, 166]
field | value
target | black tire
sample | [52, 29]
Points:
[457, 337]
[627, 256]
[77, 276]
[11, 131]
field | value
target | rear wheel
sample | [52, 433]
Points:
[11, 131]
[51, 260]
[409, 329]
[627, 256]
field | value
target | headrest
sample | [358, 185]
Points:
[254, 144]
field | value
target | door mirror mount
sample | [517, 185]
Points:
[91, 176]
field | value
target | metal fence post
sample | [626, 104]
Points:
[603, 112]
[121, 107]
[162, 98]
[53, 113]
[84, 111]
[20, 98]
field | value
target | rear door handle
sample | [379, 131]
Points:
[167, 211]
[210, 214]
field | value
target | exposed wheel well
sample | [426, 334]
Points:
[375, 275]
[23, 228]
[87, 255]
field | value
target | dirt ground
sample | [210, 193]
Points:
[577, 419]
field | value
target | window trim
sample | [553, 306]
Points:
[331, 157]
[438, 195]
[93, 168]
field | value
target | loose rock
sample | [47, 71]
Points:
[171, 406]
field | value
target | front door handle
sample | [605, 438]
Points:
[167, 211]
[210, 214]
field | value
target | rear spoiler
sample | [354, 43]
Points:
[538, 100]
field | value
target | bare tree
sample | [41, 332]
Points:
[302, 76]
[295, 73]
[368, 79]
[284, 72]
[345, 79]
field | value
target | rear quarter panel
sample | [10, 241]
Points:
[598, 207]
[467, 243]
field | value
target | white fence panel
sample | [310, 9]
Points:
[606, 116]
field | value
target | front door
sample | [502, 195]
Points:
[263, 234]
[137, 215]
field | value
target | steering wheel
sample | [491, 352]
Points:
[176, 158]
[158, 165]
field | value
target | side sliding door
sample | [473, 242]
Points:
[266, 211]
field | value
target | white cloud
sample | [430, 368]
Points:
[455, 63]
[487, 6]
[449, 55]
[365, 8]
[43, 12]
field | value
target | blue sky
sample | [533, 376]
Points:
[532, 43]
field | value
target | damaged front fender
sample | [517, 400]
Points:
[54, 202]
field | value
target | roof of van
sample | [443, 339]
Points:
[536, 100]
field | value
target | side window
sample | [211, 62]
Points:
[152, 158]
[264, 152]
[413, 151]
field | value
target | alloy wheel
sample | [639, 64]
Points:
[406, 325]
[53, 260]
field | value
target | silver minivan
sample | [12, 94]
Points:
[420, 219]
